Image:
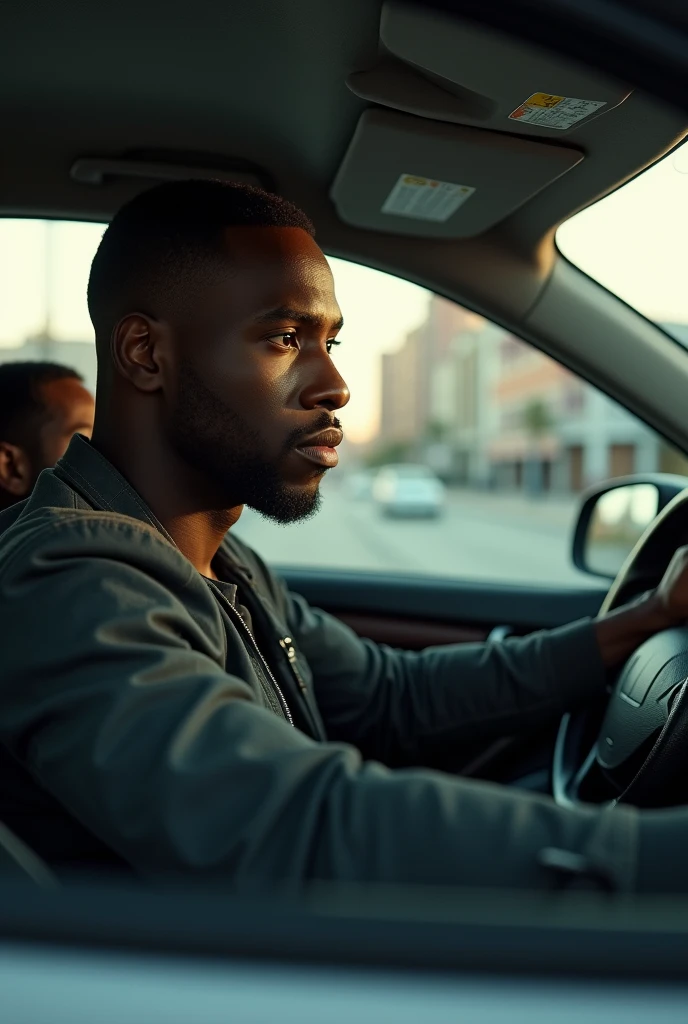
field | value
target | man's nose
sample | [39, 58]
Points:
[326, 388]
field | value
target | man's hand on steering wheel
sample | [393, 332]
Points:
[621, 631]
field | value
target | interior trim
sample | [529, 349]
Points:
[410, 634]
[95, 170]
[445, 929]
[468, 602]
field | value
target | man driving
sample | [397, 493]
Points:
[172, 708]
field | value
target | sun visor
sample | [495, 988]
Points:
[449, 69]
[411, 176]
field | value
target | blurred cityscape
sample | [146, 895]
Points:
[485, 410]
[512, 435]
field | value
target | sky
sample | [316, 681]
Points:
[633, 242]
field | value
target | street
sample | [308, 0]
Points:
[496, 537]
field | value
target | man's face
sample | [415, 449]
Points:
[255, 390]
[69, 410]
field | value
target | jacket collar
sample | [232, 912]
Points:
[106, 490]
[101, 485]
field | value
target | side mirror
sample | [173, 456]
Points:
[614, 517]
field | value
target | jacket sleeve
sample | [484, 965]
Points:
[117, 702]
[406, 708]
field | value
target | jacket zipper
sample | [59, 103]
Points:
[287, 645]
[237, 617]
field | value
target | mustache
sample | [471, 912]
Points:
[324, 422]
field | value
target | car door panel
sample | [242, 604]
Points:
[416, 612]
[410, 633]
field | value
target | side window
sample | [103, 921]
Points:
[466, 449]
[44, 267]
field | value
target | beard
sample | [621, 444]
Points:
[212, 438]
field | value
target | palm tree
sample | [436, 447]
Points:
[537, 418]
[537, 421]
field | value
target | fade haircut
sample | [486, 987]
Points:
[164, 243]
[22, 409]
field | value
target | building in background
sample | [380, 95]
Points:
[472, 420]
[556, 433]
[487, 410]
[401, 420]
[412, 409]
[436, 395]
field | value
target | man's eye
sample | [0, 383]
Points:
[331, 343]
[285, 339]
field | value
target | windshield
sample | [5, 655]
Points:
[634, 242]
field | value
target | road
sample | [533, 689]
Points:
[480, 536]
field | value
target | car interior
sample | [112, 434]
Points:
[368, 93]
[341, 107]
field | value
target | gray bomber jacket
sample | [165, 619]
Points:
[147, 725]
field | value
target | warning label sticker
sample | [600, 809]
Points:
[558, 112]
[425, 198]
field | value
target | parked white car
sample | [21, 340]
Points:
[408, 490]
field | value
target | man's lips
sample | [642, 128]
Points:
[321, 449]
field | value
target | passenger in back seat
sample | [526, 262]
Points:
[42, 406]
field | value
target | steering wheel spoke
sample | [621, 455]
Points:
[636, 749]
[570, 769]
[640, 753]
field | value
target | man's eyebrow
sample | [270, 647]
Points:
[273, 316]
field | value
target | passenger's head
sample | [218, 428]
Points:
[215, 314]
[42, 406]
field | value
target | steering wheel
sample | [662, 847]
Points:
[633, 747]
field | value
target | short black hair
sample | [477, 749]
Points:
[158, 243]
[22, 409]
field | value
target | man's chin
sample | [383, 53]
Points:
[289, 504]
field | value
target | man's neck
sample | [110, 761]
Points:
[198, 535]
[178, 496]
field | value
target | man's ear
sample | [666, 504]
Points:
[137, 346]
[16, 472]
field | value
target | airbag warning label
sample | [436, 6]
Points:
[558, 112]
